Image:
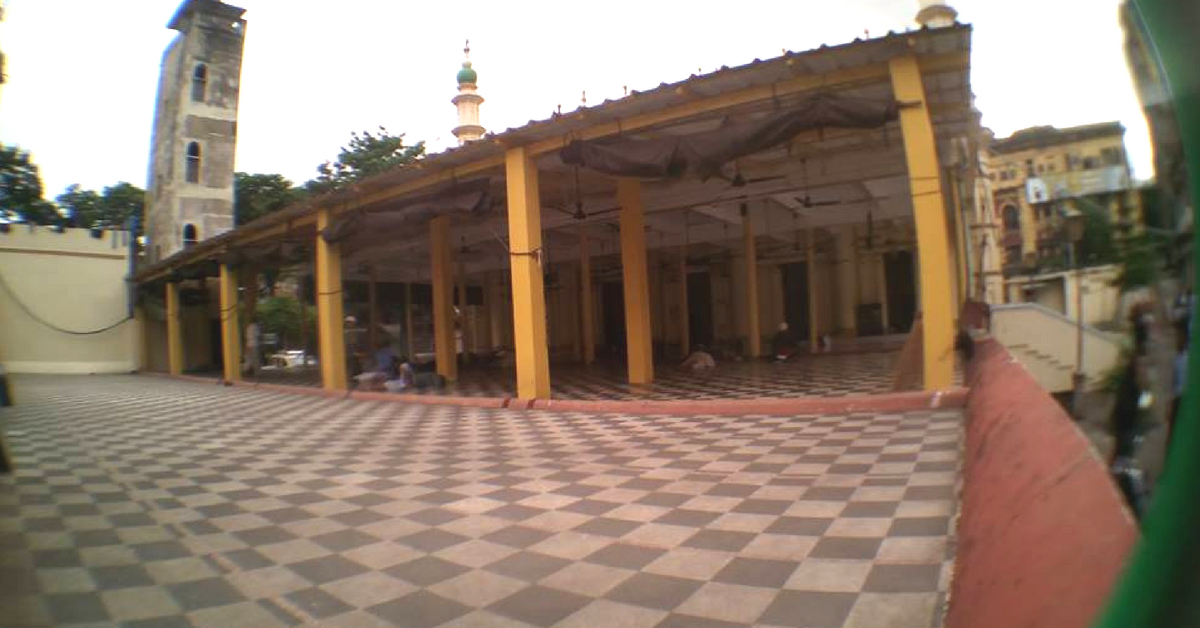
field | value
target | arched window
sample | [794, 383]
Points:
[199, 82]
[193, 162]
[1012, 218]
[189, 235]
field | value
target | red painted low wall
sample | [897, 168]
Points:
[1043, 532]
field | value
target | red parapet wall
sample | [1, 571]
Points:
[1043, 533]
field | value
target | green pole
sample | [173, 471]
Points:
[1161, 585]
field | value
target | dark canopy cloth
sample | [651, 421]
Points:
[281, 252]
[471, 198]
[702, 155]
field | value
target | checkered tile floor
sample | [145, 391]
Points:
[825, 375]
[163, 503]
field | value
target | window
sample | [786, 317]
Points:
[1029, 168]
[193, 163]
[189, 235]
[199, 82]
[1090, 163]
[1041, 168]
[1112, 156]
[1012, 218]
[1012, 256]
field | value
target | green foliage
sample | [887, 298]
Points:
[21, 189]
[256, 195]
[282, 315]
[368, 154]
[1154, 211]
[1097, 247]
[119, 203]
[110, 210]
[1140, 258]
[82, 206]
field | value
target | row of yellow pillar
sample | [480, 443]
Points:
[528, 297]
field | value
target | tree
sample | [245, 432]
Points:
[82, 206]
[282, 315]
[110, 210]
[21, 189]
[368, 154]
[119, 203]
[1097, 246]
[256, 195]
[1140, 258]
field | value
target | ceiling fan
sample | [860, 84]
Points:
[807, 201]
[579, 213]
[739, 181]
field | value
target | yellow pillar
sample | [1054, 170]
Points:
[495, 298]
[685, 331]
[174, 330]
[464, 322]
[881, 281]
[750, 250]
[408, 321]
[443, 298]
[331, 336]
[810, 258]
[143, 345]
[572, 316]
[231, 345]
[638, 342]
[372, 312]
[585, 300]
[847, 262]
[929, 213]
[956, 223]
[528, 295]
[485, 314]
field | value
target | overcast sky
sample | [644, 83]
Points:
[82, 74]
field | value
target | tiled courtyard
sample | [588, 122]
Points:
[823, 375]
[151, 502]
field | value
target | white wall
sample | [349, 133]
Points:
[72, 281]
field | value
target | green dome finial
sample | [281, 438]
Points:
[467, 74]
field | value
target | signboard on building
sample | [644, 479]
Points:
[1076, 183]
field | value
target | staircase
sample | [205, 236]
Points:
[1044, 342]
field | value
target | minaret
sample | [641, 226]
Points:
[190, 188]
[467, 101]
[936, 14]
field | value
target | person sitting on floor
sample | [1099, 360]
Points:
[382, 371]
[407, 376]
[783, 345]
[504, 358]
[400, 375]
[699, 360]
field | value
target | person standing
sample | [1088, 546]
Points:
[355, 351]
[1133, 400]
[253, 358]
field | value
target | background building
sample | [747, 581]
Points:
[1040, 172]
